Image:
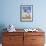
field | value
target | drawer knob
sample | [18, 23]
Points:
[33, 39]
[11, 38]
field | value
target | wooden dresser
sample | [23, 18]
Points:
[23, 39]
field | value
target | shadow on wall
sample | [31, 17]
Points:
[2, 26]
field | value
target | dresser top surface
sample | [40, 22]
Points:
[22, 30]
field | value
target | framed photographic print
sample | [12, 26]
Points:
[26, 13]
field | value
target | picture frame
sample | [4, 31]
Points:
[26, 13]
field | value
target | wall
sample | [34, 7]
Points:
[10, 13]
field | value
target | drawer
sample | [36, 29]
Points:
[27, 37]
[13, 33]
[12, 44]
[27, 41]
[12, 39]
[34, 33]
[8, 45]
[37, 39]
[37, 44]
